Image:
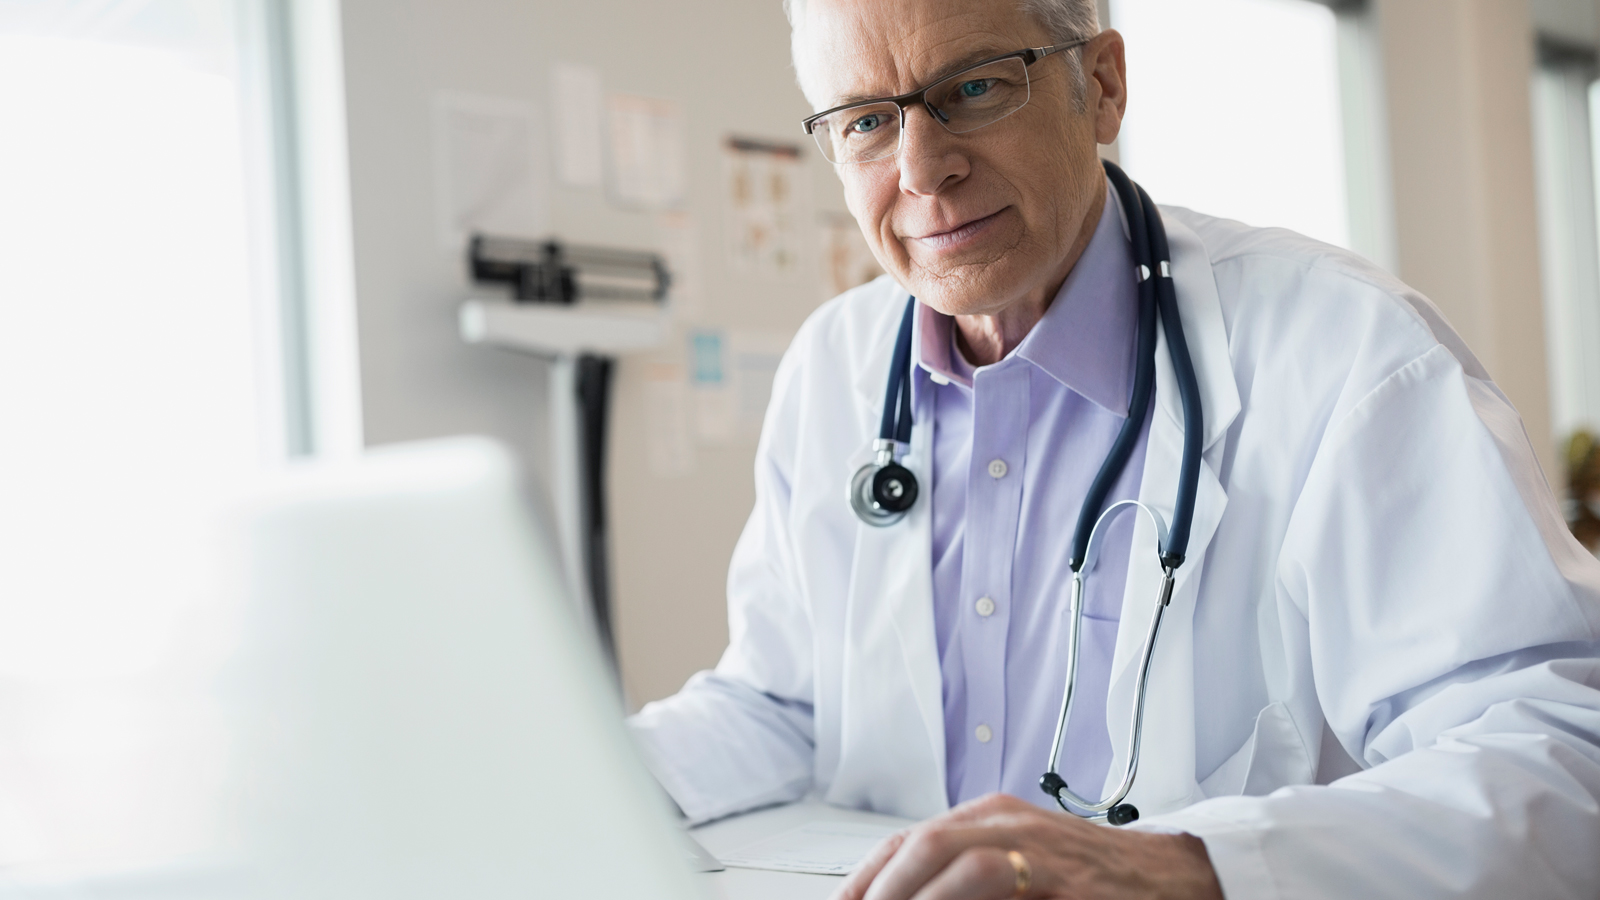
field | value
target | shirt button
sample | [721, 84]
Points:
[985, 606]
[984, 734]
[997, 468]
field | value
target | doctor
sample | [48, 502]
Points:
[1379, 590]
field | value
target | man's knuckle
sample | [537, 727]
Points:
[927, 842]
[981, 868]
[989, 802]
[985, 863]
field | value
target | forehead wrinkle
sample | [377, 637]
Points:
[948, 56]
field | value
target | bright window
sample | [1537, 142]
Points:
[1564, 96]
[140, 381]
[1234, 110]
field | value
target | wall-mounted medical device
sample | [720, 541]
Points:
[553, 318]
[554, 272]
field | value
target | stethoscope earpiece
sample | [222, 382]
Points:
[1122, 814]
[1056, 787]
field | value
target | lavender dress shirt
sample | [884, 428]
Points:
[1016, 445]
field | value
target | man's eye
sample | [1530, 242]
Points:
[976, 88]
[866, 124]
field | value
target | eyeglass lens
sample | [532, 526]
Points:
[966, 101]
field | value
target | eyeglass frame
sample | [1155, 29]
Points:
[1029, 56]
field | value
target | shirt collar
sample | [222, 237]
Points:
[1086, 338]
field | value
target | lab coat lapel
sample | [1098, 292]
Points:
[892, 719]
[1166, 775]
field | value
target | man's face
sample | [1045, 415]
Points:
[969, 223]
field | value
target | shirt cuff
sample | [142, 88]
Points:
[697, 801]
[1234, 850]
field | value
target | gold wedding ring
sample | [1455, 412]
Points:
[1019, 863]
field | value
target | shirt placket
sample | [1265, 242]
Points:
[994, 499]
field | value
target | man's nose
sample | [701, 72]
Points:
[930, 160]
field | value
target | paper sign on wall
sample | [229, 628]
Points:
[669, 453]
[714, 398]
[847, 261]
[647, 153]
[755, 356]
[765, 193]
[490, 170]
[578, 100]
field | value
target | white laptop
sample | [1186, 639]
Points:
[425, 717]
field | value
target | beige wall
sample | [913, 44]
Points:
[1458, 76]
[727, 62]
[418, 379]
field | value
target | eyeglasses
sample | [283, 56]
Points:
[981, 94]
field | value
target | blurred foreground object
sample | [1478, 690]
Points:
[408, 706]
[1583, 488]
[426, 718]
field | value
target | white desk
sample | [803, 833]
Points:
[752, 884]
[222, 882]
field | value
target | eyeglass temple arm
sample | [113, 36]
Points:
[1037, 53]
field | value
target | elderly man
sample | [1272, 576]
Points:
[1377, 674]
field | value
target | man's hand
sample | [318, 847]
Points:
[963, 855]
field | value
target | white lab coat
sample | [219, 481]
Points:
[1377, 569]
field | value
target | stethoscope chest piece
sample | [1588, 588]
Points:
[882, 491]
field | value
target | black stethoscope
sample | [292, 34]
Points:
[882, 491]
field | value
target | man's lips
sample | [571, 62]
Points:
[957, 236]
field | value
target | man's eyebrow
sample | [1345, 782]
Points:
[944, 71]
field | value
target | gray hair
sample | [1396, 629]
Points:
[1063, 20]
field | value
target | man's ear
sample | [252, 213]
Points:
[1106, 83]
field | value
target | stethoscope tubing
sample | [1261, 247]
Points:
[1144, 378]
[896, 422]
[1177, 544]
[1097, 809]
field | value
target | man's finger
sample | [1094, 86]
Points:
[979, 873]
[855, 886]
[925, 853]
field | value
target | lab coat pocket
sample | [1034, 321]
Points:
[1274, 756]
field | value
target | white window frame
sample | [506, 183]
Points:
[303, 185]
[1564, 98]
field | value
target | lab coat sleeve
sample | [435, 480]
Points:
[1451, 625]
[741, 737]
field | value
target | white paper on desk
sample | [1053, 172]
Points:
[817, 848]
